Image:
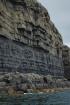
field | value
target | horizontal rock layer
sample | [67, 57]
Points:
[22, 58]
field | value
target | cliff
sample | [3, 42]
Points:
[29, 41]
[66, 61]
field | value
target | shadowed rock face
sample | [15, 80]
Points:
[29, 41]
[66, 61]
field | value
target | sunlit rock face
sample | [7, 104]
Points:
[29, 41]
[66, 61]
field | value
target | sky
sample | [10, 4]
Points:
[59, 11]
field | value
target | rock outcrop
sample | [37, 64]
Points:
[66, 61]
[30, 82]
[29, 41]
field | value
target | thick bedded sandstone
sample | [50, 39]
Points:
[29, 41]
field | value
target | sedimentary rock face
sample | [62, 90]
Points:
[29, 41]
[66, 61]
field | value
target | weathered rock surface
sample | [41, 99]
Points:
[29, 41]
[66, 61]
[20, 82]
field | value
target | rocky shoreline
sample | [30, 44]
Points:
[17, 84]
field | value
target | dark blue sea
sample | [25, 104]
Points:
[59, 98]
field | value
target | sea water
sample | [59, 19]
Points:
[59, 98]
